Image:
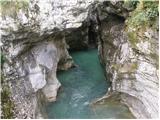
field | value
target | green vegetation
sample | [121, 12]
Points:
[134, 66]
[152, 9]
[145, 13]
[2, 60]
[11, 7]
[7, 104]
[132, 4]
[116, 66]
[133, 38]
[143, 17]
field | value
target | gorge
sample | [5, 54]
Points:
[80, 87]
[37, 37]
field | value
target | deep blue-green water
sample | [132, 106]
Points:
[80, 86]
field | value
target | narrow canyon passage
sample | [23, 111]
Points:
[82, 85]
[41, 41]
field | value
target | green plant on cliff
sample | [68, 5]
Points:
[151, 9]
[7, 105]
[2, 60]
[144, 14]
[132, 4]
[12, 7]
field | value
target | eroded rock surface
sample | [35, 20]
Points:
[132, 64]
[36, 40]
[35, 70]
[34, 44]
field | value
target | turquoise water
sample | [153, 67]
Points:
[80, 86]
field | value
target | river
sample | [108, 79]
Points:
[82, 85]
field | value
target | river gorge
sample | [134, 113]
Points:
[80, 87]
[79, 59]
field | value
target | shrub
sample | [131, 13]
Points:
[131, 4]
[11, 7]
[6, 103]
[144, 14]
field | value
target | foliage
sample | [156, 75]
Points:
[2, 60]
[152, 10]
[6, 103]
[11, 7]
[131, 3]
[145, 13]
[143, 17]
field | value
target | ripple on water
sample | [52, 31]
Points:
[80, 86]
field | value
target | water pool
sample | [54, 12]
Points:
[80, 86]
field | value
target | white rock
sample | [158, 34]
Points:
[46, 55]
[37, 78]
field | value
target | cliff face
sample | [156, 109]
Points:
[130, 54]
[35, 43]
[34, 36]
[132, 71]
[35, 70]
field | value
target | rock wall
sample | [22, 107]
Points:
[33, 40]
[34, 70]
[36, 40]
[130, 56]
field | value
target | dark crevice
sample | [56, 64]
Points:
[92, 35]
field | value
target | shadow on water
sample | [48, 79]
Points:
[82, 85]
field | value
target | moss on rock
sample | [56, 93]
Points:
[7, 105]
[133, 38]
[11, 7]
[6, 102]
[144, 15]
[142, 18]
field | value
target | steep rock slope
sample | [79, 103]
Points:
[34, 45]
[130, 55]
[35, 39]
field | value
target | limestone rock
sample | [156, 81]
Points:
[132, 69]
[35, 42]
[37, 78]
[50, 90]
